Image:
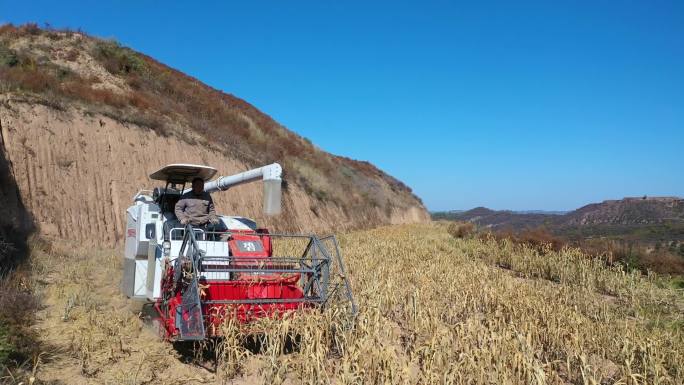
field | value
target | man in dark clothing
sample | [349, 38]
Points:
[196, 208]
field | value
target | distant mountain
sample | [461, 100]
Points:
[549, 212]
[645, 218]
[498, 219]
[629, 211]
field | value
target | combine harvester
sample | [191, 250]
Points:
[195, 279]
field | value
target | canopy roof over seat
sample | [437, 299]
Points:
[183, 173]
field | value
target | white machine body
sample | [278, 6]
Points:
[145, 225]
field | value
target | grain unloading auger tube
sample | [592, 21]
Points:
[196, 278]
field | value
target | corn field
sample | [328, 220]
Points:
[434, 309]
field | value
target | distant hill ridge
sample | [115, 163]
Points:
[630, 210]
[608, 216]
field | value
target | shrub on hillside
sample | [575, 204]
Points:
[17, 315]
[635, 256]
[461, 229]
[117, 59]
[539, 239]
[8, 57]
[663, 262]
[630, 255]
[19, 342]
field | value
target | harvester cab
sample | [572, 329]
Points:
[196, 277]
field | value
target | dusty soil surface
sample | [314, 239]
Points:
[93, 335]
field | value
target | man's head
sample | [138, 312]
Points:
[198, 185]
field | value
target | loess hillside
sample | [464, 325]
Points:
[84, 121]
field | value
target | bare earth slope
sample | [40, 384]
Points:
[78, 174]
[84, 121]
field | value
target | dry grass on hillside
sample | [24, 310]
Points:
[632, 255]
[134, 88]
[434, 309]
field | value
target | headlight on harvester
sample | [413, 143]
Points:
[167, 248]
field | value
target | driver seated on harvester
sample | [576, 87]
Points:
[196, 208]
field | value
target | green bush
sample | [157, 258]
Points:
[8, 57]
[117, 59]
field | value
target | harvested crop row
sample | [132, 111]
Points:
[433, 309]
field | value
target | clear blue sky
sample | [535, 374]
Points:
[511, 104]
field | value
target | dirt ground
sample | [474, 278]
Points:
[434, 309]
[93, 334]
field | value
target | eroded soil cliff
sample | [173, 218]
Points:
[77, 172]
